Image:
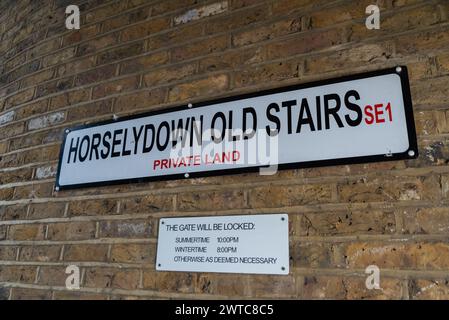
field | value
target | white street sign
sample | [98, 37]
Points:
[361, 118]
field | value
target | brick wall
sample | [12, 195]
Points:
[138, 55]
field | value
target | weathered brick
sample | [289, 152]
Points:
[69, 98]
[15, 62]
[169, 6]
[263, 286]
[314, 41]
[46, 153]
[86, 111]
[237, 20]
[22, 97]
[206, 200]
[313, 254]
[120, 53]
[86, 252]
[201, 12]
[203, 47]
[443, 63]
[15, 175]
[427, 256]
[171, 281]
[4, 293]
[104, 12]
[92, 207]
[133, 253]
[25, 142]
[40, 253]
[430, 92]
[425, 220]
[22, 71]
[287, 6]
[347, 223]
[19, 232]
[169, 74]
[271, 31]
[76, 66]
[126, 229]
[3, 146]
[45, 172]
[7, 117]
[143, 63]
[278, 71]
[54, 86]
[174, 37]
[8, 253]
[141, 99]
[52, 276]
[114, 87]
[371, 53]
[117, 22]
[399, 189]
[76, 295]
[230, 285]
[59, 57]
[98, 74]
[37, 78]
[92, 46]
[3, 231]
[231, 60]
[43, 48]
[71, 231]
[82, 34]
[32, 109]
[13, 212]
[212, 85]
[338, 287]
[145, 29]
[30, 294]
[22, 274]
[10, 160]
[112, 278]
[146, 204]
[279, 196]
[421, 42]
[46, 121]
[437, 289]
[46, 210]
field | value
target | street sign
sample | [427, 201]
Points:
[354, 119]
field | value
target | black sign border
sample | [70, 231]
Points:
[401, 71]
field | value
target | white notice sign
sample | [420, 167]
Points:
[234, 244]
